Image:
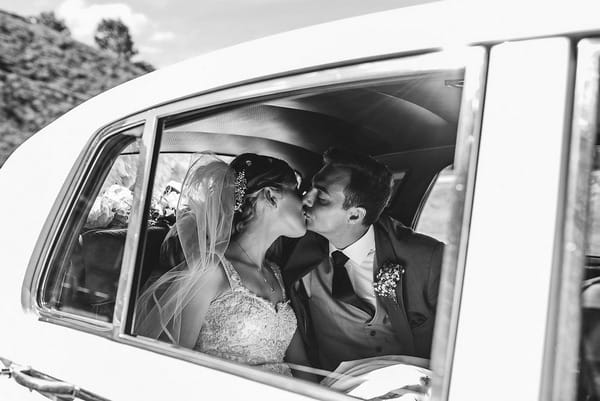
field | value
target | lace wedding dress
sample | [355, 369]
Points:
[237, 325]
[244, 327]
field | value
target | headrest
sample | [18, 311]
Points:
[590, 297]
[102, 249]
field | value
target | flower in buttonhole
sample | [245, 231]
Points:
[387, 279]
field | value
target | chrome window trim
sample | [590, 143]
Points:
[150, 144]
[247, 372]
[465, 168]
[561, 353]
[75, 321]
[35, 276]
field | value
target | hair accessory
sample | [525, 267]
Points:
[240, 186]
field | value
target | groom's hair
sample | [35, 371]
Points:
[370, 183]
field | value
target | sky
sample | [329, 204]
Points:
[168, 31]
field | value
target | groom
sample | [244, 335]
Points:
[364, 285]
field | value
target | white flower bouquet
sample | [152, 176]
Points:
[114, 204]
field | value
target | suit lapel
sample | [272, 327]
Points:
[396, 310]
[384, 249]
[308, 253]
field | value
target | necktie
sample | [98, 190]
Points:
[341, 286]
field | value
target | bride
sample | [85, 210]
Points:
[227, 298]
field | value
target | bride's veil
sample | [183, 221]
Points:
[204, 220]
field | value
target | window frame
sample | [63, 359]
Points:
[358, 72]
[88, 163]
[561, 348]
[455, 252]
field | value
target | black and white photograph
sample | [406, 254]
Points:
[300, 200]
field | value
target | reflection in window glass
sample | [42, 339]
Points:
[589, 372]
[170, 173]
[84, 275]
[435, 215]
[593, 221]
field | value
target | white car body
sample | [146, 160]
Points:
[508, 303]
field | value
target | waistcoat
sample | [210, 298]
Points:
[344, 332]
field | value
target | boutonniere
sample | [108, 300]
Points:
[387, 280]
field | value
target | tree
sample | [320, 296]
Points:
[147, 67]
[49, 19]
[113, 35]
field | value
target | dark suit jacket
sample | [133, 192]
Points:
[421, 257]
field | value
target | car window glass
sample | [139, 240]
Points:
[298, 129]
[589, 373]
[166, 188]
[170, 173]
[593, 237]
[83, 277]
[435, 213]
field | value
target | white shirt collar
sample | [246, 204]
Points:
[360, 249]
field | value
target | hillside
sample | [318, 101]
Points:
[44, 73]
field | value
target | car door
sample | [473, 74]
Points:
[522, 294]
[75, 296]
[81, 320]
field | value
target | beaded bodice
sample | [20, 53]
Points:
[244, 327]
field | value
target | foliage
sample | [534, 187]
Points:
[144, 66]
[113, 35]
[44, 73]
[49, 19]
[112, 206]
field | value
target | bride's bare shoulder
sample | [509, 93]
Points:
[212, 283]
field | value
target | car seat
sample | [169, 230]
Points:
[102, 254]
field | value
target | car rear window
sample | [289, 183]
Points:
[82, 277]
[435, 213]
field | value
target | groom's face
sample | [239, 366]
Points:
[323, 203]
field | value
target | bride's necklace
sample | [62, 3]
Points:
[259, 269]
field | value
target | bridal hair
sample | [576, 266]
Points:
[259, 172]
[370, 183]
[206, 220]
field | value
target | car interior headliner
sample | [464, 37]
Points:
[409, 123]
[410, 113]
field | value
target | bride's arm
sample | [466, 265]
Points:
[192, 316]
[296, 353]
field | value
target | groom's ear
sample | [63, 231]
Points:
[356, 214]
